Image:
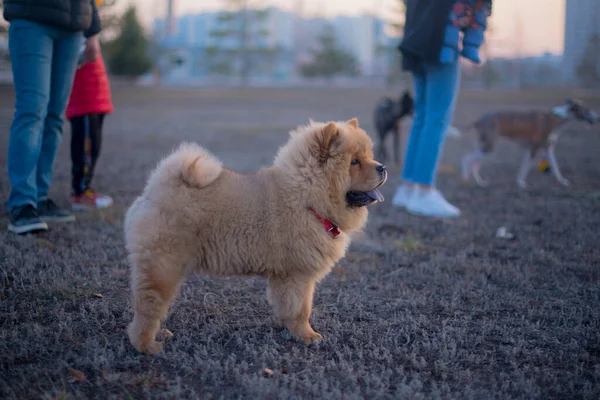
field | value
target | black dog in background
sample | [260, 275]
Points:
[388, 114]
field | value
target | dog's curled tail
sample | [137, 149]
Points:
[193, 164]
[198, 167]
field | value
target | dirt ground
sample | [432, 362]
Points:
[419, 308]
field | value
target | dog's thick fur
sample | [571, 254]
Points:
[387, 117]
[537, 131]
[196, 216]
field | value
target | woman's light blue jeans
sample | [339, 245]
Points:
[435, 95]
[44, 60]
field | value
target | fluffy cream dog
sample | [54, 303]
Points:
[289, 223]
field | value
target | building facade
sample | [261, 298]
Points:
[289, 37]
[582, 21]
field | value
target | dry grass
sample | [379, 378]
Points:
[419, 308]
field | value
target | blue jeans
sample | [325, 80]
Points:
[44, 60]
[435, 94]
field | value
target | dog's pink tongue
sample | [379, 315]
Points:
[375, 195]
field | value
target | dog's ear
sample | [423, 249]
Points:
[326, 139]
[330, 135]
[353, 122]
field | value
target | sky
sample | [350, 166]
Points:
[540, 21]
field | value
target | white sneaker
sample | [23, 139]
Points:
[431, 203]
[402, 196]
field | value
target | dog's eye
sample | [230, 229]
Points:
[356, 161]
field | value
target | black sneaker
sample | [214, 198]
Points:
[25, 219]
[50, 212]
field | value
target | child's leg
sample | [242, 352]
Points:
[78, 127]
[85, 149]
[96, 122]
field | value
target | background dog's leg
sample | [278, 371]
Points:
[382, 156]
[554, 167]
[291, 300]
[465, 164]
[524, 169]
[470, 165]
[155, 284]
[381, 153]
[396, 132]
[480, 181]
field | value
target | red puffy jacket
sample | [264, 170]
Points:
[91, 91]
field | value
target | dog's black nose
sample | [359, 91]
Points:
[380, 168]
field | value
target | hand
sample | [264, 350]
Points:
[92, 48]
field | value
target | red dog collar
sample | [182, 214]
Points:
[329, 226]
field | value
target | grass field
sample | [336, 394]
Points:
[419, 308]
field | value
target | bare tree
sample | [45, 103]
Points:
[239, 41]
[395, 74]
[3, 27]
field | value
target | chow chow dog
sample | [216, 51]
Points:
[289, 223]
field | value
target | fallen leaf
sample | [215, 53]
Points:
[447, 170]
[268, 371]
[46, 243]
[108, 219]
[338, 270]
[111, 377]
[98, 296]
[502, 233]
[408, 244]
[76, 375]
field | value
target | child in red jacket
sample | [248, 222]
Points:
[90, 101]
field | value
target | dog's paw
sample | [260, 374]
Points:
[312, 338]
[482, 183]
[164, 334]
[153, 348]
[305, 333]
[564, 182]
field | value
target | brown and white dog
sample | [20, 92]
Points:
[537, 131]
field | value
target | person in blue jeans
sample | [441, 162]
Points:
[436, 86]
[44, 39]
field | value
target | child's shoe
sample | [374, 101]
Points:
[89, 200]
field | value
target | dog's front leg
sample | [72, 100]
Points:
[382, 156]
[155, 283]
[554, 167]
[291, 299]
[470, 165]
[396, 133]
[524, 169]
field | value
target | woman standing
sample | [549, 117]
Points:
[44, 39]
[436, 86]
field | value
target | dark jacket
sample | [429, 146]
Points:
[424, 29]
[71, 15]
